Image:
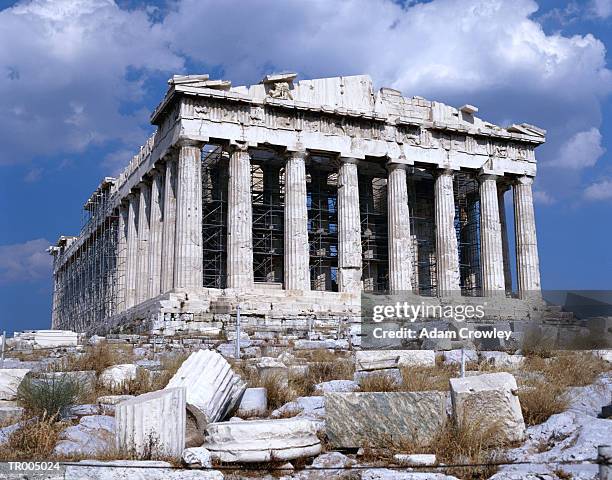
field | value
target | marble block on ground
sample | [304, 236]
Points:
[380, 359]
[152, 424]
[251, 441]
[213, 388]
[490, 400]
[254, 403]
[10, 379]
[135, 470]
[360, 418]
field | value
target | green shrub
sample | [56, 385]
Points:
[49, 396]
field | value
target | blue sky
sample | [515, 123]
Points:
[78, 79]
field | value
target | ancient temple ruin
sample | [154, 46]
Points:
[288, 198]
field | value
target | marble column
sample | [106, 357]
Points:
[297, 255]
[155, 234]
[144, 212]
[400, 241]
[168, 226]
[349, 228]
[491, 253]
[239, 220]
[122, 236]
[447, 252]
[527, 261]
[132, 249]
[188, 230]
[501, 190]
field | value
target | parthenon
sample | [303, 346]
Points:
[290, 198]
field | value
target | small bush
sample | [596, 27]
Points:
[379, 383]
[277, 390]
[34, 440]
[50, 397]
[98, 358]
[422, 379]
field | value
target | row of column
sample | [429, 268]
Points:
[160, 229]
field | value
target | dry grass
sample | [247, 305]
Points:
[33, 441]
[379, 383]
[421, 379]
[97, 358]
[540, 399]
[321, 371]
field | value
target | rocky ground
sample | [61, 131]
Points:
[300, 409]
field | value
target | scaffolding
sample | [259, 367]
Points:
[268, 199]
[87, 283]
[374, 232]
[214, 216]
[322, 204]
[467, 226]
[422, 228]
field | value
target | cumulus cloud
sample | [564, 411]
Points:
[68, 68]
[73, 66]
[601, 190]
[25, 262]
[601, 8]
[582, 150]
[543, 198]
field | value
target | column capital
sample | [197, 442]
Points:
[395, 165]
[347, 159]
[189, 142]
[487, 176]
[446, 171]
[523, 180]
[297, 154]
[238, 146]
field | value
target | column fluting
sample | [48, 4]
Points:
[491, 252]
[400, 242]
[349, 228]
[447, 252]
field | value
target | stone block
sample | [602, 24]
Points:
[197, 456]
[360, 418]
[366, 360]
[394, 374]
[336, 386]
[55, 338]
[92, 436]
[213, 389]
[502, 359]
[415, 460]
[254, 403]
[152, 424]
[490, 400]
[115, 377]
[10, 414]
[135, 470]
[10, 379]
[262, 440]
[453, 357]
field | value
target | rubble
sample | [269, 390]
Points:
[93, 435]
[10, 379]
[254, 403]
[152, 424]
[197, 456]
[491, 400]
[364, 418]
[115, 377]
[366, 360]
[135, 470]
[262, 440]
[213, 389]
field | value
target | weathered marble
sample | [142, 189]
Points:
[356, 419]
[10, 379]
[491, 401]
[262, 440]
[152, 424]
[213, 389]
[380, 359]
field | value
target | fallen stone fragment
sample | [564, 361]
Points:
[491, 401]
[92, 436]
[152, 424]
[329, 344]
[415, 460]
[364, 418]
[262, 440]
[84, 410]
[387, 474]
[336, 386]
[197, 456]
[117, 376]
[394, 374]
[381, 359]
[55, 338]
[95, 340]
[254, 403]
[10, 414]
[590, 399]
[311, 407]
[135, 470]
[453, 357]
[10, 379]
[213, 389]
[502, 359]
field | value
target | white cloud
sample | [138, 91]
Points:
[25, 262]
[542, 197]
[582, 150]
[601, 190]
[601, 8]
[33, 175]
[66, 69]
